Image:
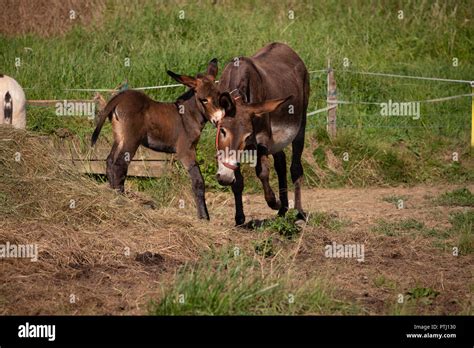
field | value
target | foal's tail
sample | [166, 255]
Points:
[8, 108]
[106, 112]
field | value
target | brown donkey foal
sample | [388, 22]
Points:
[164, 127]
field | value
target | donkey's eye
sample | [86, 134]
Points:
[203, 101]
[223, 132]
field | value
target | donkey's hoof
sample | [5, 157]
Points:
[282, 211]
[253, 224]
[301, 216]
[239, 220]
[274, 204]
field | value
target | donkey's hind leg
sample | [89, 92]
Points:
[263, 173]
[296, 170]
[280, 167]
[117, 164]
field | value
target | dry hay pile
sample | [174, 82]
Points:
[47, 17]
[102, 248]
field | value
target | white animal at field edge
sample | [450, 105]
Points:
[12, 103]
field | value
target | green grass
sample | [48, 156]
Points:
[327, 220]
[409, 227]
[414, 300]
[398, 228]
[264, 247]
[463, 227]
[223, 284]
[383, 282]
[459, 235]
[381, 150]
[394, 199]
[283, 225]
[165, 188]
[460, 197]
[422, 294]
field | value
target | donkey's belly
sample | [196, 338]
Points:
[282, 136]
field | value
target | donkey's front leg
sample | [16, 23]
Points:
[280, 167]
[237, 189]
[263, 172]
[198, 190]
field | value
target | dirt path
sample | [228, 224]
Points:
[361, 205]
[410, 260]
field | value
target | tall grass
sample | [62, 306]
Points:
[368, 33]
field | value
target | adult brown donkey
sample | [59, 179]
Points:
[265, 98]
[164, 127]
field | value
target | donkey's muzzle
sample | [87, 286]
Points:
[225, 179]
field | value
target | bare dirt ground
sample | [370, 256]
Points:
[393, 264]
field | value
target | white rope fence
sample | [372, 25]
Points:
[332, 102]
[327, 108]
[436, 100]
[311, 72]
[406, 76]
[113, 90]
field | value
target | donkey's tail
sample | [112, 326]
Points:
[106, 112]
[8, 108]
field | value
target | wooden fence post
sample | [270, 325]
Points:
[472, 115]
[332, 102]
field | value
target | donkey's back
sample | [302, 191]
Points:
[283, 71]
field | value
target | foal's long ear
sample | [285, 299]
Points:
[183, 79]
[259, 109]
[227, 103]
[212, 68]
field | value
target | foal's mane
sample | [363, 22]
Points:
[185, 96]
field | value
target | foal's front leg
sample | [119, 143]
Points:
[263, 172]
[188, 159]
[198, 190]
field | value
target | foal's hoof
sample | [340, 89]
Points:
[282, 211]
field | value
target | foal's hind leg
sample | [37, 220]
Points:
[280, 167]
[117, 164]
[296, 170]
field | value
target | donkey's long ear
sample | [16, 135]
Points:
[183, 79]
[227, 103]
[212, 68]
[259, 109]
